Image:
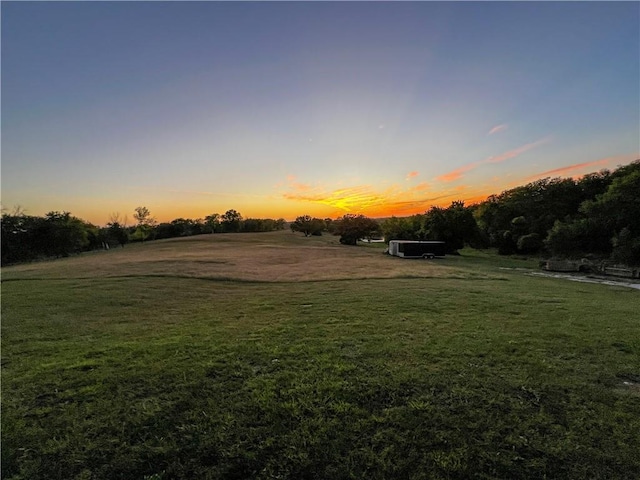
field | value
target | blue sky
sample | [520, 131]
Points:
[287, 108]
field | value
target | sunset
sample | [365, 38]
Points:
[279, 109]
[368, 240]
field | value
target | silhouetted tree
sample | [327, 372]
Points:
[57, 234]
[352, 228]
[66, 234]
[308, 225]
[186, 227]
[404, 228]
[231, 221]
[212, 223]
[454, 225]
[145, 224]
[18, 237]
[117, 231]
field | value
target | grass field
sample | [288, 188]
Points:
[276, 356]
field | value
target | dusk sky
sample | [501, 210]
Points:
[283, 109]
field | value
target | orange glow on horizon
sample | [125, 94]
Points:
[293, 198]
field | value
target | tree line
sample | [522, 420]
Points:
[60, 234]
[349, 227]
[597, 215]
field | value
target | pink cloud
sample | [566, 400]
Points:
[516, 151]
[569, 168]
[412, 175]
[297, 186]
[498, 128]
[421, 187]
[620, 159]
[457, 173]
[301, 187]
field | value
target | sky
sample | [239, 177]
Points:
[281, 109]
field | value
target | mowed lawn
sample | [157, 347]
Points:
[276, 356]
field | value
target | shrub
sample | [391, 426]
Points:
[531, 243]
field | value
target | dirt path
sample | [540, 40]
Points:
[577, 278]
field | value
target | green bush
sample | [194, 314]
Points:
[531, 243]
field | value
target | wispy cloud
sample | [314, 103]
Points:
[422, 186]
[577, 167]
[458, 172]
[293, 183]
[396, 199]
[516, 151]
[563, 171]
[498, 128]
[350, 199]
[411, 175]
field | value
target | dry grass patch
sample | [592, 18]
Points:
[271, 257]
